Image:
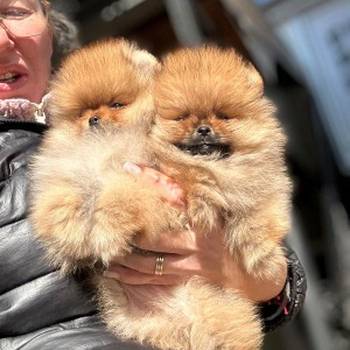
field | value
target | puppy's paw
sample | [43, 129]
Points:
[62, 222]
[222, 319]
[119, 214]
[177, 220]
[202, 215]
[205, 206]
[264, 260]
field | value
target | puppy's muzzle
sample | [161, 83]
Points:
[204, 141]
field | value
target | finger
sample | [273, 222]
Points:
[169, 190]
[181, 243]
[129, 276]
[172, 264]
[143, 264]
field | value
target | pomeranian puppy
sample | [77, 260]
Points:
[77, 173]
[210, 104]
[201, 118]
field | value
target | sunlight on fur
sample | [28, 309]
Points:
[200, 117]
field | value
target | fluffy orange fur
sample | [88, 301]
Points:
[249, 189]
[111, 103]
[78, 182]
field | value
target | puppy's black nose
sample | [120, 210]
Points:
[94, 120]
[204, 130]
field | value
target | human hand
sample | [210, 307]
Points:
[187, 254]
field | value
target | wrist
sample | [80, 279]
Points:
[261, 290]
[270, 288]
[289, 302]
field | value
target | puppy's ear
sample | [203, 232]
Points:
[255, 79]
[146, 63]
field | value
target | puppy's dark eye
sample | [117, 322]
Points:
[94, 121]
[181, 117]
[222, 116]
[117, 105]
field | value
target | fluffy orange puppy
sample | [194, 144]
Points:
[80, 192]
[210, 104]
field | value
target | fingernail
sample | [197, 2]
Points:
[110, 274]
[131, 168]
[177, 195]
[154, 177]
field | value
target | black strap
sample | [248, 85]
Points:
[289, 302]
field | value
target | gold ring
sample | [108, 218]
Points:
[159, 266]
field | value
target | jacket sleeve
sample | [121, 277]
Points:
[84, 333]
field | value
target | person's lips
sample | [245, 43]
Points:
[8, 77]
[12, 80]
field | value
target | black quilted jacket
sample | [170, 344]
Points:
[38, 308]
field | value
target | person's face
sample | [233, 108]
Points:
[24, 58]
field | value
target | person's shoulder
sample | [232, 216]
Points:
[18, 141]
